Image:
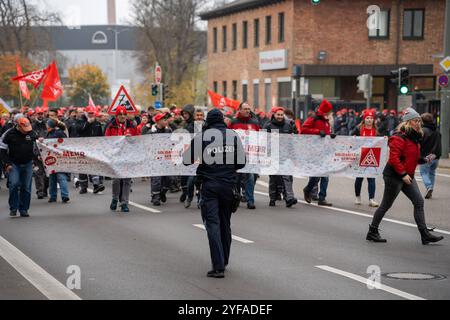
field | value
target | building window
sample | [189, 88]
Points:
[216, 87]
[268, 96]
[244, 92]
[281, 27]
[224, 85]
[234, 36]
[256, 32]
[215, 40]
[235, 90]
[245, 34]
[256, 95]
[383, 26]
[413, 24]
[268, 29]
[285, 94]
[325, 86]
[224, 38]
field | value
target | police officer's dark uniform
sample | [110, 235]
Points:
[219, 179]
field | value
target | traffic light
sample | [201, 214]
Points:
[154, 90]
[315, 2]
[165, 92]
[401, 79]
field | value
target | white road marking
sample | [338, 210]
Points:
[359, 214]
[437, 174]
[38, 277]
[383, 287]
[137, 205]
[243, 240]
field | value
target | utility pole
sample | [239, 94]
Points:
[445, 92]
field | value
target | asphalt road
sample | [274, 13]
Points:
[305, 252]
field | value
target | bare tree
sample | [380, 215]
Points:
[19, 24]
[169, 36]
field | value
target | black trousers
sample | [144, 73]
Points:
[216, 206]
[393, 186]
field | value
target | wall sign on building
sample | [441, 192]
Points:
[273, 60]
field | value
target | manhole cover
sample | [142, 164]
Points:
[413, 276]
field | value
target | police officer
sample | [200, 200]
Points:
[221, 154]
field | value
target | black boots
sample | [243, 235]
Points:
[428, 238]
[374, 235]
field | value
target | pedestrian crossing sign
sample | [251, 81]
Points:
[370, 157]
[123, 99]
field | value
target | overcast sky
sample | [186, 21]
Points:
[88, 12]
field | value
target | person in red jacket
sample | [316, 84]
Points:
[121, 126]
[246, 119]
[367, 128]
[404, 156]
[318, 125]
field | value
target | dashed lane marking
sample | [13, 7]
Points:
[243, 240]
[383, 287]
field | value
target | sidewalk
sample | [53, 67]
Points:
[444, 163]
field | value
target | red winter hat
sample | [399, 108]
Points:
[30, 113]
[121, 110]
[39, 110]
[368, 113]
[276, 109]
[91, 109]
[160, 116]
[325, 107]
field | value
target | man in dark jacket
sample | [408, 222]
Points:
[221, 154]
[431, 144]
[189, 125]
[17, 153]
[41, 181]
[88, 126]
[282, 125]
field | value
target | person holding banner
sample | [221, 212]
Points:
[221, 154]
[120, 126]
[399, 175]
[17, 152]
[246, 120]
[159, 185]
[282, 125]
[319, 125]
[367, 128]
[41, 180]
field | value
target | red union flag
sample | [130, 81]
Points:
[52, 84]
[35, 77]
[219, 101]
[22, 84]
[370, 157]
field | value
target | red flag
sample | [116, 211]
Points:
[219, 101]
[34, 77]
[91, 102]
[22, 84]
[52, 84]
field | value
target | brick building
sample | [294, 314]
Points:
[253, 47]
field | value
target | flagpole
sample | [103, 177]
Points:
[20, 95]
[37, 96]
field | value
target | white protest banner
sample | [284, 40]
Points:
[267, 154]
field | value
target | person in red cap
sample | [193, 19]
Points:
[159, 185]
[121, 126]
[282, 125]
[319, 125]
[17, 152]
[367, 128]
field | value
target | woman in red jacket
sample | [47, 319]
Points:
[121, 126]
[367, 128]
[404, 156]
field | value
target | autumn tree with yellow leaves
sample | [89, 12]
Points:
[85, 80]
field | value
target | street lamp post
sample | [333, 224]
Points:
[116, 48]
